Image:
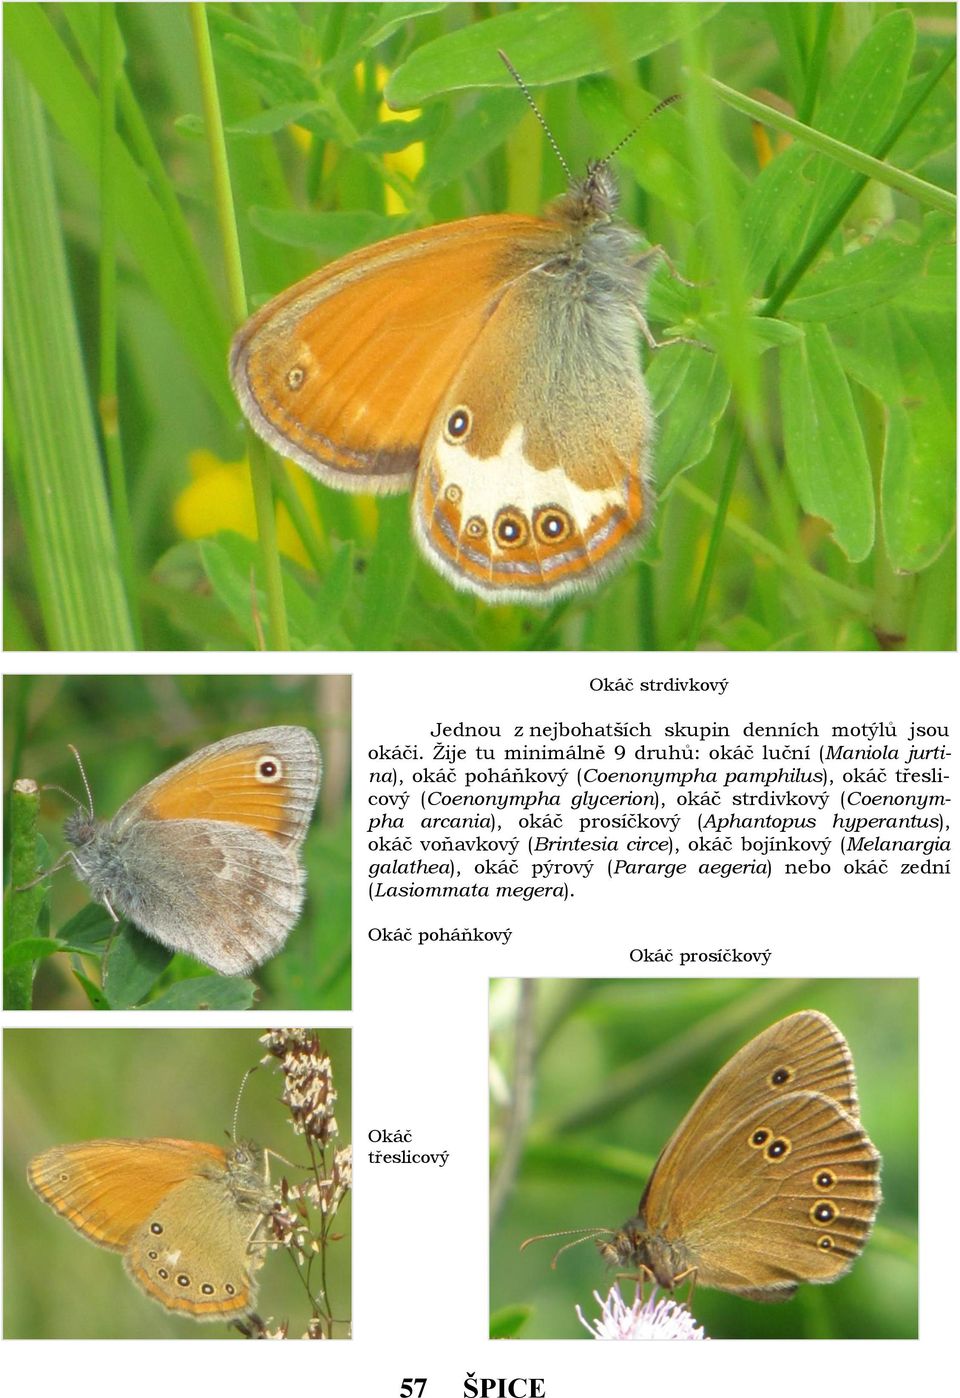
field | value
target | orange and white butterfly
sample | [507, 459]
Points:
[492, 366]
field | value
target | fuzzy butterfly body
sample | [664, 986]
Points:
[185, 1215]
[770, 1180]
[490, 364]
[205, 858]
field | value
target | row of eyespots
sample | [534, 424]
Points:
[777, 1148]
[183, 1280]
[511, 529]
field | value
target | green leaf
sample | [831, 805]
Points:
[388, 576]
[206, 993]
[467, 141]
[330, 234]
[825, 451]
[918, 494]
[30, 949]
[393, 17]
[88, 928]
[133, 964]
[690, 391]
[94, 994]
[56, 468]
[188, 301]
[506, 1323]
[545, 43]
[232, 566]
[273, 119]
[849, 285]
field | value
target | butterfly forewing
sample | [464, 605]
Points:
[344, 371]
[104, 1187]
[805, 1051]
[267, 779]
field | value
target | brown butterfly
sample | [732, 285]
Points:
[770, 1179]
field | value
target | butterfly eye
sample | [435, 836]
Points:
[824, 1179]
[295, 378]
[760, 1137]
[458, 425]
[183, 1279]
[207, 1289]
[475, 528]
[551, 525]
[269, 770]
[510, 529]
[825, 1243]
[156, 1228]
[779, 1076]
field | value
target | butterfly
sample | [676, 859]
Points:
[491, 367]
[186, 1215]
[770, 1179]
[206, 857]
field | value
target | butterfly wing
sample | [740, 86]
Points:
[534, 473]
[266, 780]
[772, 1139]
[787, 1194]
[343, 372]
[104, 1188]
[225, 894]
[194, 1251]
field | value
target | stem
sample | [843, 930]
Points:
[226, 217]
[716, 534]
[22, 909]
[108, 402]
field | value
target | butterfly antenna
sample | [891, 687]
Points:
[585, 1237]
[537, 113]
[236, 1109]
[666, 102]
[86, 784]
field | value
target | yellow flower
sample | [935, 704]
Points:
[220, 497]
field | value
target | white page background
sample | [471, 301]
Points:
[419, 1021]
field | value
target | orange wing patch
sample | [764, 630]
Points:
[343, 372]
[106, 1188]
[228, 786]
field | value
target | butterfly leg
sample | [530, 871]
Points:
[644, 265]
[656, 344]
[45, 873]
[690, 1272]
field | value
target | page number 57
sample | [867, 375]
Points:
[412, 1388]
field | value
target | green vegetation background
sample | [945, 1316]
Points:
[129, 729]
[618, 1064]
[65, 1085]
[806, 470]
